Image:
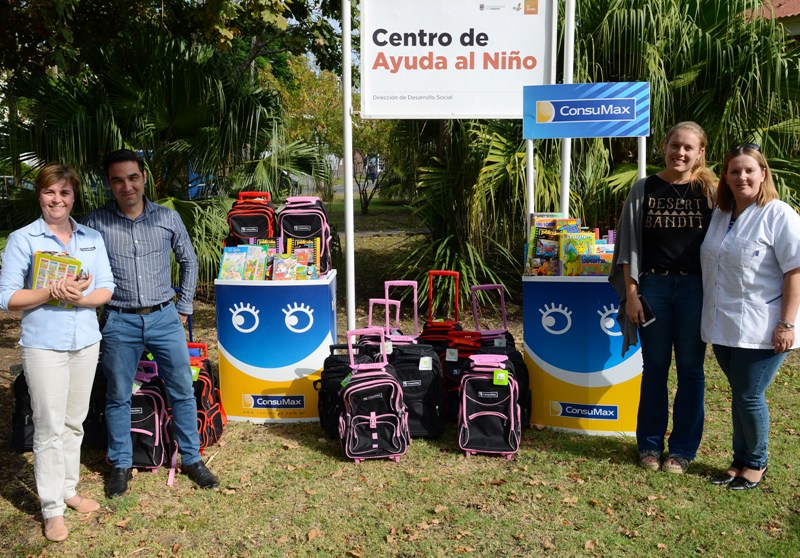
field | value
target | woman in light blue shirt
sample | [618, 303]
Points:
[60, 341]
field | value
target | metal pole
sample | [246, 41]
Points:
[347, 109]
[566, 143]
[642, 156]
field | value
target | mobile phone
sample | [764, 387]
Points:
[649, 317]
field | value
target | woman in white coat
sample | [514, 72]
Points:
[751, 292]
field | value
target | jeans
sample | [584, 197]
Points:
[60, 384]
[125, 337]
[677, 302]
[750, 372]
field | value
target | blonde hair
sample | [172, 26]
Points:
[703, 178]
[52, 173]
[768, 192]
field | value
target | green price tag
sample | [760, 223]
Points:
[347, 379]
[500, 378]
[195, 372]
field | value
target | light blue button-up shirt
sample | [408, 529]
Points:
[140, 251]
[46, 326]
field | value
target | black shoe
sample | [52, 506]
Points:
[741, 483]
[117, 481]
[725, 479]
[200, 474]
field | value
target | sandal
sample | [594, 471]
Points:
[82, 505]
[649, 460]
[675, 464]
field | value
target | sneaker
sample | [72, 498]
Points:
[117, 481]
[200, 474]
[675, 464]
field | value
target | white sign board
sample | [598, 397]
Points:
[451, 58]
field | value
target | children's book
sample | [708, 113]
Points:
[255, 264]
[570, 247]
[312, 244]
[547, 242]
[595, 264]
[232, 264]
[305, 261]
[49, 267]
[284, 267]
[274, 243]
[571, 225]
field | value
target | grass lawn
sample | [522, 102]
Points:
[288, 491]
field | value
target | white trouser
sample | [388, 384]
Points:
[60, 384]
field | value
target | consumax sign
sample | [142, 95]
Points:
[451, 58]
[587, 110]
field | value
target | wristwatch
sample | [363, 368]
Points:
[785, 325]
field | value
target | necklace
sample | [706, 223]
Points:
[681, 197]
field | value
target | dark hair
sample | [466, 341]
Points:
[52, 173]
[121, 156]
[768, 192]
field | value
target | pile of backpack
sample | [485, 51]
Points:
[254, 217]
[152, 432]
[384, 387]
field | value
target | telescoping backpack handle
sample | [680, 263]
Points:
[354, 334]
[387, 302]
[255, 196]
[474, 291]
[295, 200]
[441, 273]
[413, 284]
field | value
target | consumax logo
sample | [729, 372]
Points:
[254, 401]
[586, 110]
[576, 410]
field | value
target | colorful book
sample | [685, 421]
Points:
[232, 263]
[570, 225]
[570, 247]
[255, 264]
[595, 264]
[313, 244]
[284, 267]
[49, 267]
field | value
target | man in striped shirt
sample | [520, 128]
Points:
[141, 237]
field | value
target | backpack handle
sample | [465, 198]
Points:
[388, 303]
[489, 360]
[400, 283]
[378, 365]
[495, 287]
[255, 195]
[301, 199]
[441, 273]
[146, 370]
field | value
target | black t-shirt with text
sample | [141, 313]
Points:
[674, 225]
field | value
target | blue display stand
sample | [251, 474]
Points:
[273, 338]
[573, 348]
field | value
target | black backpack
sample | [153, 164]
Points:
[302, 219]
[334, 370]
[251, 217]
[419, 372]
[152, 432]
[211, 417]
[22, 417]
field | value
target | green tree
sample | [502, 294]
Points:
[706, 60]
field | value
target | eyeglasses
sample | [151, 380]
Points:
[741, 146]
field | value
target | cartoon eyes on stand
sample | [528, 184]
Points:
[608, 321]
[552, 323]
[245, 317]
[299, 319]
[557, 320]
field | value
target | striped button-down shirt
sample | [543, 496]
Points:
[140, 254]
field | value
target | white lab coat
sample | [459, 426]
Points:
[743, 273]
